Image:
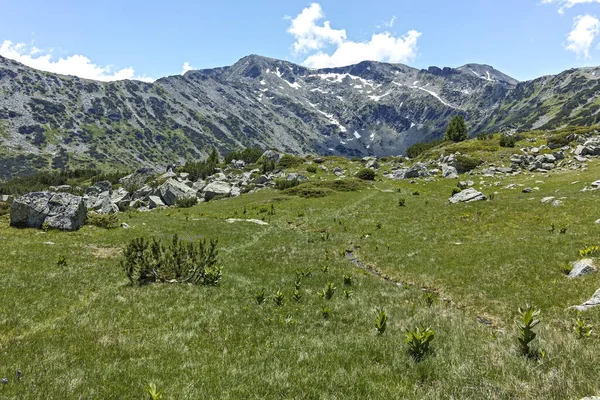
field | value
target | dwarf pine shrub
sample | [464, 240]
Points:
[366, 174]
[152, 261]
[106, 221]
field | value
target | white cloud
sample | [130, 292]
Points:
[77, 65]
[186, 67]
[312, 38]
[566, 4]
[585, 30]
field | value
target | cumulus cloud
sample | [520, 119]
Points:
[186, 67]
[585, 30]
[566, 4]
[77, 65]
[312, 38]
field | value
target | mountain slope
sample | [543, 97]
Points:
[371, 108]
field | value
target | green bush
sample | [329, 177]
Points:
[311, 169]
[283, 184]
[308, 190]
[466, 163]
[106, 221]
[199, 169]
[267, 166]
[366, 174]
[485, 136]
[457, 129]
[289, 161]
[418, 148]
[508, 141]
[4, 208]
[249, 155]
[186, 202]
[418, 341]
[151, 261]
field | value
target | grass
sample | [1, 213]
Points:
[80, 331]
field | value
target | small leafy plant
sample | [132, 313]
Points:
[153, 392]
[297, 296]
[186, 202]
[526, 322]
[419, 341]
[61, 261]
[401, 202]
[328, 292]
[260, 296]
[582, 328]
[589, 251]
[279, 298]
[325, 269]
[347, 280]
[381, 321]
[348, 294]
[325, 312]
[430, 298]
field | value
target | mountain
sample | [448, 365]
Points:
[371, 108]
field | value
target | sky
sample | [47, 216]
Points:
[146, 40]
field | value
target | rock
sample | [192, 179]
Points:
[582, 267]
[99, 187]
[272, 155]
[465, 184]
[594, 301]
[137, 179]
[527, 190]
[167, 175]
[238, 164]
[291, 177]
[155, 202]
[373, 164]
[6, 198]
[597, 221]
[557, 203]
[449, 172]
[467, 196]
[416, 171]
[172, 190]
[63, 188]
[216, 189]
[142, 193]
[547, 199]
[121, 195]
[184, 175]
[262, 180]
[124, 225]
[103, 204]
[56, 210]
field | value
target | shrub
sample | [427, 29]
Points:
[186, 202]
[526, 323]
[418, 341]
[457, 129]
[456, 190]
[106, 221]
[466, 163]
[328, 292]
[343, 185]
[311, 169]
[485, 136]
[199, 169]
[508, 141]
[366, 174]
[283, 184]
[418, 148]
[249, 155]
[290, 161]
[260, 296]
[308, 190]
[150, 261]
[401, 202]
[267, 166]
[325, 312]
[279, 298]
[582, 328]
[4, 208]
[61, 261]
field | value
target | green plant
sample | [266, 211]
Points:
[259, 296]
[419, 341]
[347, 280]
[267, 166]
[289, 161]
[508, 141]
[328, 292]
[455, 190]
[297, 296]
[279, 298]
[325, 269]
[348, 294]
[61, 261]
[457, 129]
[526, 322]
[106, 221]
[582, 328]
[151, 261]
[311, 169]
[466, 163]
[566, 269]
[589, 251]
[366, 174]
[418, 148]
[430, 298]
[401, 201]
[186, 202]
[283, 184]
[153, 392]
[381, 321]
[325, 312]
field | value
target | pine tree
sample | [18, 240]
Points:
[213, 158]
[457, 129]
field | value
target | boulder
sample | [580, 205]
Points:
[155, 202]
[582, 267]
[172, 190]
[272, 155]
[138, 178]
[56, 210]
[467, 196]
[121, 195]
[238, 164]
[216, 189]
[594, 301]
[372, 163]
[416, 171]
[99, 187]
[449, 172]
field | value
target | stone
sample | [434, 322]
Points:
[99, 187]
[272, 155]
[465, 184]
[104, 205]
[594, 301]
[373, 164]
[216, 189]
[547, 199]
[63, 188]
[142, 193]
[262, 180]
[449, 172]
[172, 190]
[56, 210]
[137, 179]
[467, 196]
[582, 267]
[557, 203]
[155, 202]
[121, 195]
[124, 225]
[527, 190]
[291, 177]
[597, 222]
[238, 164]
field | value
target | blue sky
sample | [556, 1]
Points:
[150, 39]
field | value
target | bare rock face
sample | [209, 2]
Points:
[57, 210]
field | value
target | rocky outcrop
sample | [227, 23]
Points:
[594, 301]
[467, 196]
[55, 210]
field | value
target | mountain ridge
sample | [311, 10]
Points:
[370, 108]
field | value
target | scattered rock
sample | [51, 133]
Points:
[594, 301]
[582, 267]
[216, 189]
[373, 164]
[547, 199]
[527, 190]
[56, 210]
[124, 225]
[253, 221]
[172, 190]
[557, 203]
[467, 196]
[449, 172]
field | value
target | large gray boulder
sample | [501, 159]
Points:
[582, 267]
[216, 189]
[172, 190]
[448, 171]
[272, 155]
[416, 171]
[138, 178]
[99, 187]
[56, 210]
[467, 196]
[594, 301]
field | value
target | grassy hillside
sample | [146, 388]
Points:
[81, 331]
